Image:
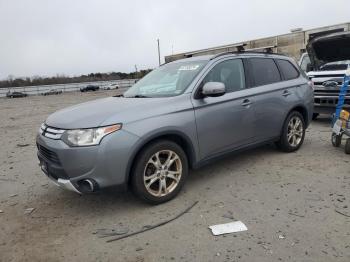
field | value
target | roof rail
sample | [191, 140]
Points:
[265, 50]
[239, 46]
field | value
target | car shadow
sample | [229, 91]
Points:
[232, 161]
[324, 120]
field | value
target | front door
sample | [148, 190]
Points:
[225, 122]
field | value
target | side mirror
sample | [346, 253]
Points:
[309, 68]
[214, 89]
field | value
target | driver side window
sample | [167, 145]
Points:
[229, 72]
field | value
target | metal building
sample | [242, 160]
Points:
[292, 44]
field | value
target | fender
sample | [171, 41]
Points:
[165, 131]
[305, 114]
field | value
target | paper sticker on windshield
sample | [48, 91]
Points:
[188, 67]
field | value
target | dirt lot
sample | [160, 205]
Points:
[289, 203]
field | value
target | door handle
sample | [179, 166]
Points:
[246, 102]
[286, 93]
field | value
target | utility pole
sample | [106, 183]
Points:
[158, 52]
[136, 73]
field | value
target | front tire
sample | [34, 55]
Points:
[160, 172]
[293, 132]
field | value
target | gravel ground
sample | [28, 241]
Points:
[296, 206]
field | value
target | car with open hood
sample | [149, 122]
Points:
[329, 57]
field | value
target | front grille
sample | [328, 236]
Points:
[48, 154]
[330, 102]
[51, 132]
[327, 88]
[323, 92]
[320, 80]
[329, 93]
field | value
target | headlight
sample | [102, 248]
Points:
[88, 137]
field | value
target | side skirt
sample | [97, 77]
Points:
[231, 152]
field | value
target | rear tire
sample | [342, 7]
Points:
[293, 132]
[160, 171]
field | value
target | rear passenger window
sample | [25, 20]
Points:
[264, 71]
[288, 70]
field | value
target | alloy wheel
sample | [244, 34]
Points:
[295, 131]
[162, 173]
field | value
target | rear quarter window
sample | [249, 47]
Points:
[288, 70]
[264, 71]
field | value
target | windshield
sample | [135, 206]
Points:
[340, 65]
[167, 80]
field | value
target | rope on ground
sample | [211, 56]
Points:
[153, 226]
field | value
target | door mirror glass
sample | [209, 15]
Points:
[214, 89]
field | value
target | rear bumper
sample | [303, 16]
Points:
[105, 164]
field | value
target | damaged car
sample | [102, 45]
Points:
[180, 116]
[329, 57]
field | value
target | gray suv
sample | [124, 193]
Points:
[182, 115]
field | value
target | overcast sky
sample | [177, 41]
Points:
[46, 37]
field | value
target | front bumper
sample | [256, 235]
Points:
[67, 185]
[328, 104]
[104, 164]
[64, 183]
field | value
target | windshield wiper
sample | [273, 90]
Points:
[121, 95]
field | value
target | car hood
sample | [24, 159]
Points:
[111, 110]
[329, 48]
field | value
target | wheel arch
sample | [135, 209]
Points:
[175, 136]
[303, 111]
[299, 108]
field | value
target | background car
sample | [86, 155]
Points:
[111, 86]
[52, 92]
[15, 94]
[329, 58]
[89, 88]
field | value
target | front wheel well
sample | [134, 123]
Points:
[178, 139]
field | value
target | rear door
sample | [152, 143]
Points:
[271, 97]
[227, 121]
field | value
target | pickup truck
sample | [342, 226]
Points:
[326, 61]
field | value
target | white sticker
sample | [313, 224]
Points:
[232, 227]
[188, 67]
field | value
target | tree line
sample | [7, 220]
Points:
[62, 79]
